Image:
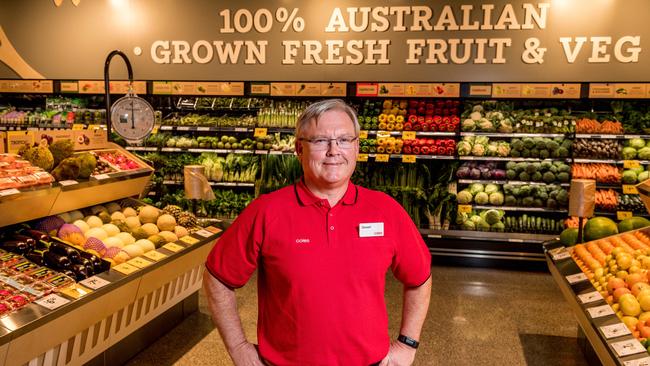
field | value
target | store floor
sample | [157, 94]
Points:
[477, 317]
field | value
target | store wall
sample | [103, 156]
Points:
[551, 40]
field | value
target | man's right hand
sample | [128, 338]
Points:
[246, 354]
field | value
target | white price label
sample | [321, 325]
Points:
[68, 182]
[575, 278]
[600, 311]
[241, 129]
[590, 297]
[166, 128]
[560, 256]
[629, 347]
[52, 301]
[9, 192]
[94, 282]
[203, 129]
[204, 233]
[615, 330]
[101, 176]
[183, 128]
[645, 361]
[275, 152]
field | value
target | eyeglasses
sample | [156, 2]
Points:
[322, 143]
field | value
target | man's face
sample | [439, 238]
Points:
[332, 164]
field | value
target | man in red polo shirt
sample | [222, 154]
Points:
[322, 248]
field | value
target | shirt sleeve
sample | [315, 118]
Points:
[411, 263]
[235, 255]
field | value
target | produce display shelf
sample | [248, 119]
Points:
[583, 301]
[218, 184]
[512, 182]
[34, 127]
[508, 158]
[614, 213]
[488, 235]
[522, 209]
[218, 151]
[515, 134]
[608, 161]
[400, 156]
[610, 137]
[417, 133]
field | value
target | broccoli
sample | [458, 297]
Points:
[529, 143]
[537, 202]
[552, 145]
[528, 201]
[536, 177]
[563, 197]
[521, 166]
[542, 196]
[515, 153]
[507, 188]
[524, 191]
[564, 168]
[544, 154]
[540, 143]
[531, 168]
[525, 153]
[516, 191]
[534, 153]
[511, 165]
[563, 177]
[517, 144]
[551, 203]
[546, 165]
[566, 144]
[511, 200]
[511, 175]
[548, 177]
[523, 176]
[563, 153]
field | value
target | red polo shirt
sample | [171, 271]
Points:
[321, 276]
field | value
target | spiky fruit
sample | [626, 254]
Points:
[173, 210]
[187, 219]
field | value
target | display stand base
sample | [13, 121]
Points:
[587, 350]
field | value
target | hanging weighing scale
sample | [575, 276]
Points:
[131, 117]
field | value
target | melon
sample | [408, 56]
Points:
[112, 252]
[67, 229]
[157, 240]
[97, 209]
[96, 232]
[113, 242]
[166, 222]
[117, 216]
[94, 221]
[129, 212]
[148, 215]
[168, 236]
[133, 250]
[150, 229]
[126, 238]
[139, 233]
[113, 207]
[180, 231]
[133, 222]
[82, 225]
[105, 217]
[121, 257]
[145, 244]
[65, 217]
[76, 215]
[632, 223]
[599, 227]
[95, 245]
[111, 229]
[569, 236]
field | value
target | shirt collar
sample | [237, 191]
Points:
[307, 198]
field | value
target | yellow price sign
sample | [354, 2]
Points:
[155, 129]
[408, 135]
[363, 134]
[139, 262]
[173, 247]
[631, 164]
[78, 127]
[75, 291]
[260, 132]
[465, 208]
[362, 157]
[155, 255]
[125, 268]
[408, 158]
[629, 189]
[622, 215]
[94, 127]
[189, 240]
[382, 158]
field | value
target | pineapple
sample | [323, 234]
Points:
[187, 219]
[173, 210]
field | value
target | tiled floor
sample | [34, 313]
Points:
[477, 317]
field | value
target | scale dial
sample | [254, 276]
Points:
[132, 118]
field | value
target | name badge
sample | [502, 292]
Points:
[371, 229]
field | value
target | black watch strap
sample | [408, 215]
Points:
[408, 341]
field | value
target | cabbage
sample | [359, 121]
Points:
[629, 153]
[464, 197]
[636, 143]
[475, 188]
[499, 226]
[643, 176]
[482, 226]
[463, 172]
[464, 148]
[492, 216]
[483, 140]
[496, 199]
[492, 149]
[482, 198]
[476, 219]
[629, 177]
[644, 153]
[491, 188]
[468, 225]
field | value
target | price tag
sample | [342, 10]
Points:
[464, 208]
[408, 135]
[622, 215]
[241, 129]
[173, 247]
[629, 189]
[155, 129]
[52, 301]
[96, 127]
[75, 291]
[600, 311]
[189, 240]
[155, 255]
[629, 347]
[260, 132]
[615, 330]
[560, 256]
[363, 134]
[645, 361]
[382, 158]
[575, 278]
[139, 262]
[166, 128]
[213, 229]
[9, 192]
[408, 158]
[204, 233]
[94, 282]
[362, 157]
[590, 297]
[77, 127]
[182, 128]
[101, 176]
[66, 183]
[125, 268]
[631, 164]
[203, 128]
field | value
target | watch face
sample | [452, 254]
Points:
[132, 118]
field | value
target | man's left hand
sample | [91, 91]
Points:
[399, 354]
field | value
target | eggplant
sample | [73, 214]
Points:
[16, 246]
[80, 272]
[35, 234]
[35, 257]
[68, 273]
[64, 250]
[30, 241]
[86, 262]
[55, 260]
[97, 263]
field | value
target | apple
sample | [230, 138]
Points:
[614, 283]
[619, 292]
[644, 302]
[630, 322]
[629, 305]
[638, 287]
[624, 261]
[634, 278]
[621, 274]
[645, 316]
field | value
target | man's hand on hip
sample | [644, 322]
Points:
[246, 354]
[399, 354]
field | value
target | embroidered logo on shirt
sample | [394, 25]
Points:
[303, 241]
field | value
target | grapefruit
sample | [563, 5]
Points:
[599, 227]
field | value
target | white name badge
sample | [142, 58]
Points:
[371, 229]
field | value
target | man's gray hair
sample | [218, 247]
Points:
[315, 110]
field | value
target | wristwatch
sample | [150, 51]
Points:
[408, 341]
